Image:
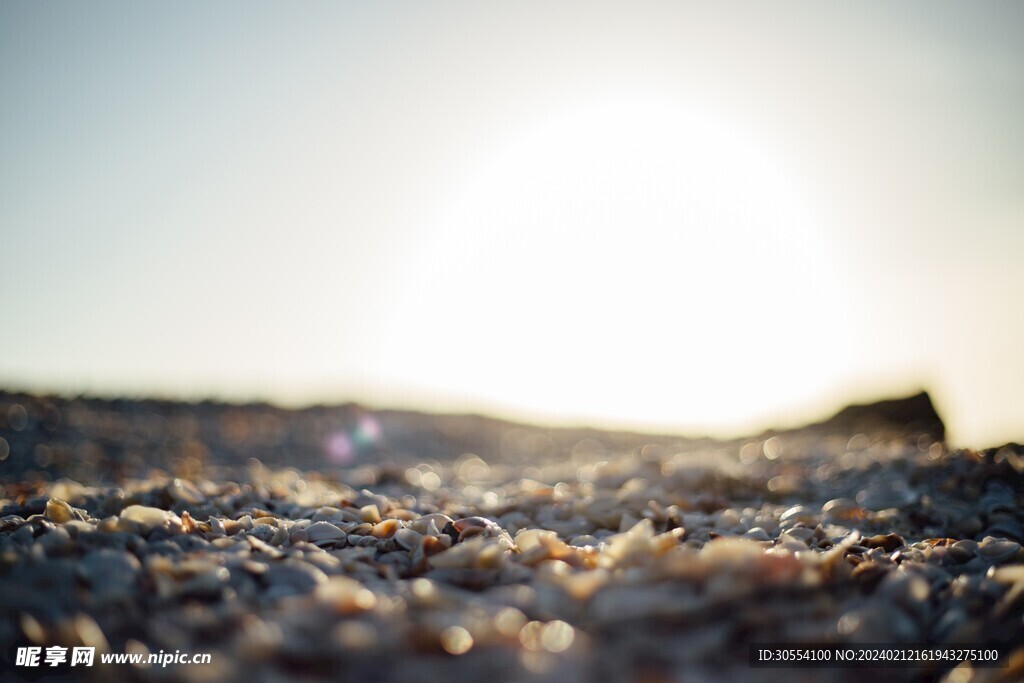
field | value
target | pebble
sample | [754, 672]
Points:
[999, 550]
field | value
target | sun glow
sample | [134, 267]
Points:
[631, 261]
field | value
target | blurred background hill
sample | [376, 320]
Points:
[43, 438]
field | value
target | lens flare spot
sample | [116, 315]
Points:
[343, 446]
[339, 448]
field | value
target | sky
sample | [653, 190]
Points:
[704, 217]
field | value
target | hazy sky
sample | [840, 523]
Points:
[700, 216]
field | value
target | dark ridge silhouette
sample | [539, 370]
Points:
[912, 414]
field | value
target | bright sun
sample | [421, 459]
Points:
[636, 261]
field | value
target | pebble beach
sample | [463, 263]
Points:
[347, 544]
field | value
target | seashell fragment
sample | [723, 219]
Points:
[887, 542]
[408, 538]
[59, 511]
[320, 534]
[149, 517]
[842, 510]
[798, 514]
[476, 553]
[431, 524]
[385, 529]
[370, 513]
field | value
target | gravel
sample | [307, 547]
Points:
[534, 557]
